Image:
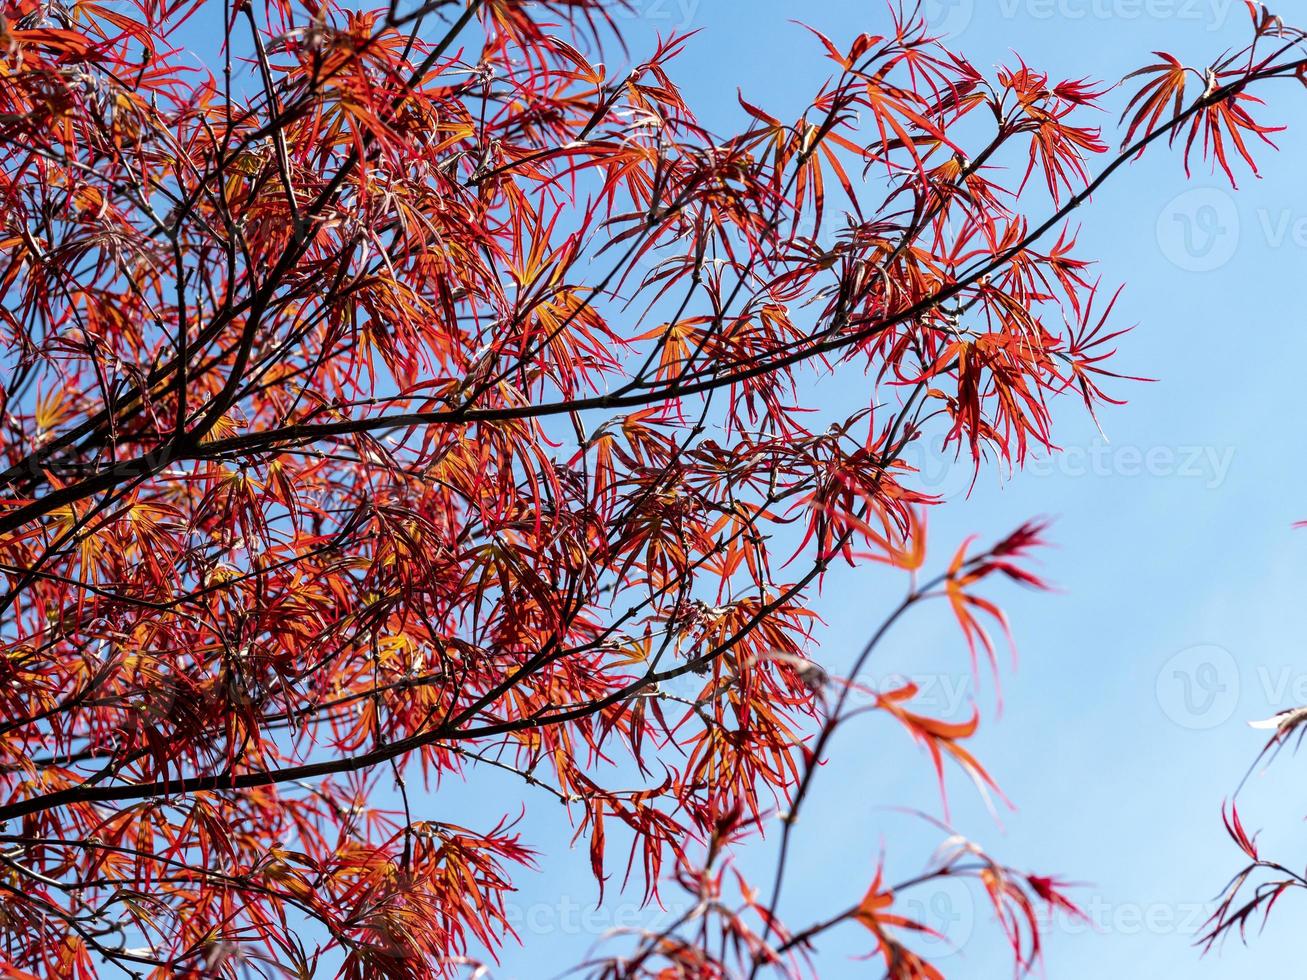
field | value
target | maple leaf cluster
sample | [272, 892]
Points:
[392, 396]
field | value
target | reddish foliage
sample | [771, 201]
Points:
[409, 397]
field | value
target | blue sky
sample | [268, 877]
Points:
[1177, 618]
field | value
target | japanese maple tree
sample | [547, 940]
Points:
[393, 394]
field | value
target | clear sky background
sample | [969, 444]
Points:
[1179, 616]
